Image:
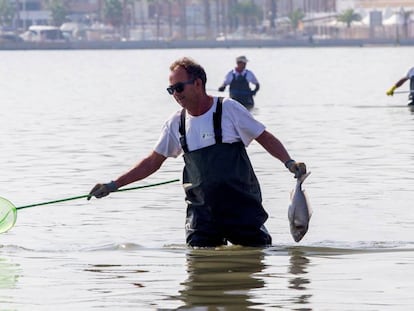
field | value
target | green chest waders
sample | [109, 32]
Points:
[240, 91]
[223, 196]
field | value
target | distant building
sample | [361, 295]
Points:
[373, 4]
[284, 7]
[378, 4]
[30, 12]
[81, 10]
[207, 20]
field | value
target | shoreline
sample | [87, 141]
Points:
[202, 44]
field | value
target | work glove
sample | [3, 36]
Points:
[390, 92]
[297, 168]
[254, 93]
[102, 190]
[222, 88]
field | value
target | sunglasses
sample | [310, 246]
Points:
[178, 87]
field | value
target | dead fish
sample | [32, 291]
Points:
[299, 212]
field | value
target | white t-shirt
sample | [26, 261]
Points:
[250, 77]
[237, 125]
[410, 73]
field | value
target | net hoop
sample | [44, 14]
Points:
[8, 215]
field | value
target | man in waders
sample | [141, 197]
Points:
[239, 80]
[408, 76]
[224, 202]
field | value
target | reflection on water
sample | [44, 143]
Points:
[298, 269]
[222, 279]
[231, 278]
[9, 273]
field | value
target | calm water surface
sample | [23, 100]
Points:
[74, 118]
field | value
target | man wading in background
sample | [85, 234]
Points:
[222, 193]
[408, 76]
[239, 80]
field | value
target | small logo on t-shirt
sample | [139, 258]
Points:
[207, 135]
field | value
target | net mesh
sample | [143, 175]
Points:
[8, 215]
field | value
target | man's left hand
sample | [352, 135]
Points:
[297, 168]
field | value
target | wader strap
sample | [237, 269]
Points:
[181, 129]
[412, 85]
[216, 124]
[217, 121]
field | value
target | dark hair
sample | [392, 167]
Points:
[193, 69]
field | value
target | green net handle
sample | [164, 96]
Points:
[86, 195]
[8, 212]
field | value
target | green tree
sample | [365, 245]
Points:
[183, 18]
[248, 12]
[7, 12]
[207, 18]
[406, 17]
[296, 18]
[59, 10]
[113, 12]
[170, 18]
[348, 17]
[273, 13]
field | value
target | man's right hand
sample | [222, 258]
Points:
[102, 190]
[222, 88]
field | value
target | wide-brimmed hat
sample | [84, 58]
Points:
[242, 59]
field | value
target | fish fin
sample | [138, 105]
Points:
[303, 177]
[310, 211]
[291, 194]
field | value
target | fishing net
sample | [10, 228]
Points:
[8, 212]
[8, 215]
